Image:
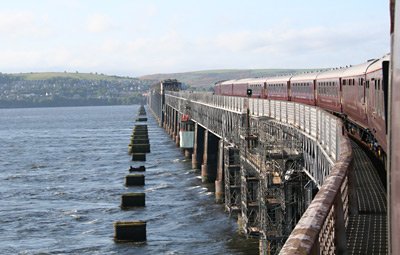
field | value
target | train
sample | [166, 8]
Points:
[358, 94]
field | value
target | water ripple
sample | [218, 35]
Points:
[62, 175]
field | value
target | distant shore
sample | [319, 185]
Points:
[66, 103]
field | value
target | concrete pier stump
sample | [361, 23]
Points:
[134, 180]
[141, 119]
[140, 148]
[138, 157]
[130, 231]
[129, 200]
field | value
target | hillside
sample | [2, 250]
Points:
[69, 89]
[206, 79]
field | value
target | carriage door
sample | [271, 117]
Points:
[361, 87]
[367, 95]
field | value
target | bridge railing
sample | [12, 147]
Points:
[327, 161]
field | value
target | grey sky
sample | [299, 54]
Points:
[143, 37]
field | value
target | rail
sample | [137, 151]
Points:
[328, 155]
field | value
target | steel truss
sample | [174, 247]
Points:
[272, 181]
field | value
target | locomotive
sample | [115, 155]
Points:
[358, 94]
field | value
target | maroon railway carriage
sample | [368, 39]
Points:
[376, 88]
[224, 88]
[358, 92]
[217, 88]
[258, 87]
[353, 93]
[328, 90]
[239, 87]
[302, 88]
[278, 87]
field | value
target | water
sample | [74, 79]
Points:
[62, 174]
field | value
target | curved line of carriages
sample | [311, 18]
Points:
[358, 94]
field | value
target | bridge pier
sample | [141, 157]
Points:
[171, 133]
[164, 123]
[209, 166]
[171, 129]
[204, 166]
[177, 128]
[219, 182]
[169, 123]
[198, 146]
[187, 153]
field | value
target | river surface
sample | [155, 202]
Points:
[62, 174]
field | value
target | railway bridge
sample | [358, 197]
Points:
[282, 168]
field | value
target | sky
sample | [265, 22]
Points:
[139, 37]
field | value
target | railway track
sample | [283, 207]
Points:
[367, 228]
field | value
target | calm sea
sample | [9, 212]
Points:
[62, 174]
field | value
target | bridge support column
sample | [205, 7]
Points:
[204, 166]
[175, 123]
[171, 131]
[169, 123]
[188, 153]
[164, 123]
[219, 182]
[209, 166]
[176, 138]
[198, 146]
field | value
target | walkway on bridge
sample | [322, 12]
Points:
[367, 227]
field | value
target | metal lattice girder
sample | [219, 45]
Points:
[300, 139]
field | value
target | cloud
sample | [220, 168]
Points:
[98, 23]
[16, 24]
[288, 44]
[169, 49]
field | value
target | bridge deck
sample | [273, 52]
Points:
[367, 227]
